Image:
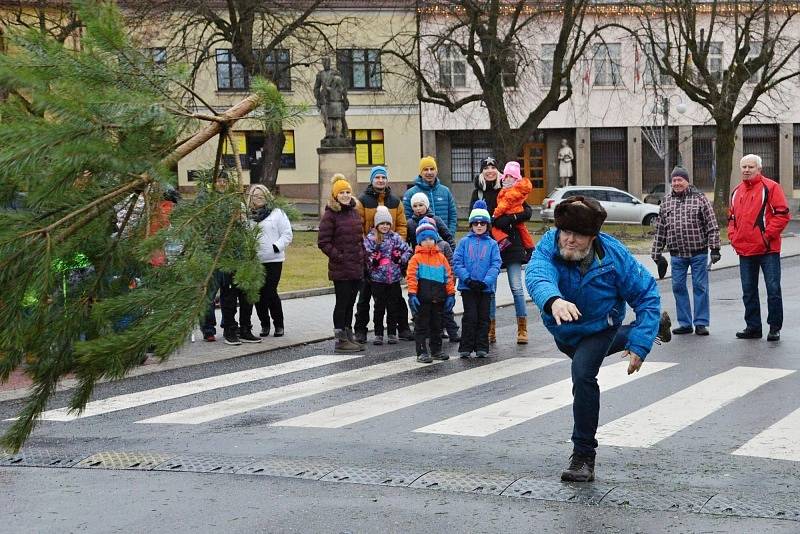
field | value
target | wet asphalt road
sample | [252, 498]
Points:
[696, 455]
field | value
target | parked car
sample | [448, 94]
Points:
[621, 206]
[656, 194]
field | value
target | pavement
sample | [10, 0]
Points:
[308, 319]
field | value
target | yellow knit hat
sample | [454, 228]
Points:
[427, 161]
[338, 184]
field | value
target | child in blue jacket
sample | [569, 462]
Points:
[476, 264]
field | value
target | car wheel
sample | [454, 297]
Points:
[649, 219]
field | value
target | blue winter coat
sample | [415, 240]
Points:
[615, 278]
[380, 263]
[442, 201]
[477, 257]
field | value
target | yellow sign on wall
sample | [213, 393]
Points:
[241, 144]
[288, 145]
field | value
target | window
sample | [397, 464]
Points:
[606, 60]
[468, 148]
[228, 159]
[157, 55]
[609, 149]
[652, 162]
[452, 67]
[509, 73]
[276, 67]
[715, 60]
[762, 139]
[651, 73]
[704, 140]
[755, 51]
[369, 147]
[360, 69]
[619, 196]
[254, 148]
[546, 74]
[230, 73]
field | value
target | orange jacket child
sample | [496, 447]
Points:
[510, 201]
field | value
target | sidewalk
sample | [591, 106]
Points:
[309, 319]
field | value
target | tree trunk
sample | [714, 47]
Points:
[270, 160]
[726, 141]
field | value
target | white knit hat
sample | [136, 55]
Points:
[420, 198]
[382, 215]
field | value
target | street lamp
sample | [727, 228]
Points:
[680, 107]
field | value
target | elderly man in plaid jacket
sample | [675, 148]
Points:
[688, 229]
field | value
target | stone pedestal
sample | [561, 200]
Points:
[331, 161]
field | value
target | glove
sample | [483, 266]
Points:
[413, 303]
[449, 303]
[375, 258]
[275, 248]
[661, 263]
[503, 221]
[397, 256]
[476, 285]
[715, 255]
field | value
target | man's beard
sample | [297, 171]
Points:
[574, 255]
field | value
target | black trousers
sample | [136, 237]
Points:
[229, 298]
[362, 310]
[268, 300]
[475, 322]
[428, 326]
[346, 292]
[388, 298]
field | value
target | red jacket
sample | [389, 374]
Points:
[757, 216]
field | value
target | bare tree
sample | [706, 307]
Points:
[256, 32]
[690, 42]
[55, 18]
[496, 40]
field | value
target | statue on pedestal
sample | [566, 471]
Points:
[331, 96]
[565, 157]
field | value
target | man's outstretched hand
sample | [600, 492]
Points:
[635, 361]
[563, 310]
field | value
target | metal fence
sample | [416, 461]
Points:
[762, 140]
[467, 150]
[653, 163]
[796, 159]
[609, 157]
[704, 140]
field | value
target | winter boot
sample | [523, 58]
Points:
[581, 469]
[522, 330]
[352, 339]
[492, 331]
[344, 345]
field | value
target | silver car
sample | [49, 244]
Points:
[621, 206]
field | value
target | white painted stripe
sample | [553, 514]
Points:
[368, 407]
[261, 399]
[515, 410]
[781, 441]
[140, 398]
[660, 420]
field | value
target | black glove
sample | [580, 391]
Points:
[275, 248]
[661, 263]
[502, 222]
[475, 285]
[715, 255]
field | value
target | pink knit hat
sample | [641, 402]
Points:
[512, 169]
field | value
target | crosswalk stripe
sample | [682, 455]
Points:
[660, 420]
[368, 407]
[521, 408]
[149, 396]
[262, 399]
[780, 441]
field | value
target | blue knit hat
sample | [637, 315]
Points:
[427, 229]
[479, 212]
[376, 170]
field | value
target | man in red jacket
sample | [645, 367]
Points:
[758, 214]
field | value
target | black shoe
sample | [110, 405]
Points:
[360, 337]
[264, 331]
[406, 335]
[454, 337]
[246, 336]
[441, 356]
[424, 358]
[701, 330]
[231, 338]
[664, 334]
[747, 333]
[774, 334]
[278, 331]
[581, 469]
[682, 330]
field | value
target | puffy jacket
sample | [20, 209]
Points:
[429, 275]
[276, 230]
[442, 201]
[441, 228]
[380, 260]
[477, 257]
[488, 195]
[614, 279]
[515, 253]
[341, 240]
[757, 216]
[369, 202]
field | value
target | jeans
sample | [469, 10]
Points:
[514, 273]
[475, 321]
[699, 265]
[346, 292]
[587, 357]
[388, 298]
[269, 302]
[427, 325]
[770, 265]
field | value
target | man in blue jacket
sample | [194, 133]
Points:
[581, 279]
[442, 202]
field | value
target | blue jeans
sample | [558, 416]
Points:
[770, 265]
[699, 265]
[587, 357]
[514, 273]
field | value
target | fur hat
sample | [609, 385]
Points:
[581, 215]
[420, 198]
[680, 171]
[479, 212]
[338, 184]
[427, 161]
[382, 215]
[512, 169]
[378, 170]
[426, 229]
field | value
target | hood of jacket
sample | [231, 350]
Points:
[335, 205]
[422, 184]
[371, 191]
